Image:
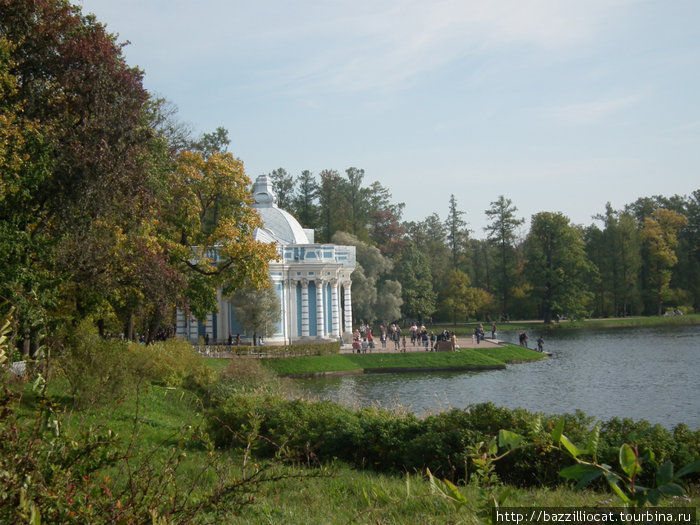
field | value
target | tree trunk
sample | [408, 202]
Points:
[129, 328]
[26, 343]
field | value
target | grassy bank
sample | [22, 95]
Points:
[637, 322]
[332, 493]
[466, 329]
[356, 496]
[473, 359]
[335, 493]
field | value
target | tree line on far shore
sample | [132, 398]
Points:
[643, 259]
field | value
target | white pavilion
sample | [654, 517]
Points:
[312, 282]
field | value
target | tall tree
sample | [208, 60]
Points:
[386, 231]
[456, 228]
[478, 262]
[79, 110]
[211, 143]
[616, 252]
[429, 237]
[626, 240]
[686, 274]
[305, 200]
[369, 282]
[501, 232]
[167, 125]
[660, 235]
[556, 265]
[379, 199]
[461, 299]
[283, 185]
[211, 224]
[389, 301]
[331, 199]
[356, 197]
[413, 272]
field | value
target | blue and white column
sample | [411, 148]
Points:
[335, 309]
[320, 318]
[305, 308]
[347, 285]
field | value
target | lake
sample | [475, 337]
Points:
[640, 373]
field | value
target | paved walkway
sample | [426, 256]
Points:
[390, 349]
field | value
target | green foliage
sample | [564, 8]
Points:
[241, 376]
[502, 234]
[387, 441]
[173, 363]
[97, 369]
[632, 459]
[557, 265]
[5, 329]
[660, 235]
[368, 281]
[257, 309]
[304, 349]
[100, 370]
[413, 272]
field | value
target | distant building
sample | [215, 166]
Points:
[312, 282]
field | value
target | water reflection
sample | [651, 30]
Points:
[641, 373]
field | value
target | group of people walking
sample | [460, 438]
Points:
[420, 337]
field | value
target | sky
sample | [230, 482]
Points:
[558, 105]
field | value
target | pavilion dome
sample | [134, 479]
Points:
[278, 225]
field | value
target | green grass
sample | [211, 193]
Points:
[681, 320]
[472, 358]
[162, 413]
[466, 329]
[217, 363]
[335, 494]
[354, 496]
[313, 364]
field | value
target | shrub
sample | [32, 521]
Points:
[244, 375]
[167, 362]
[655, 438]
[386, 441]
[384, 437]
[248, 373]
[97, 370]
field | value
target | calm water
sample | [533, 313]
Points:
[641, 373]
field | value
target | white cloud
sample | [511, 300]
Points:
[398, 41]
[394, 42]
[593, 112]
[347, 45]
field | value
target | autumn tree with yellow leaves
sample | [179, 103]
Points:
[659, 234]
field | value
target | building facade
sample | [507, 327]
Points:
[312, 282]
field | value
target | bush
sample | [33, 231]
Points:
[97, 370]
[168, 362]
[101, 370]
[244, 375]
[386, 441]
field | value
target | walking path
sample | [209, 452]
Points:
[464, 342]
